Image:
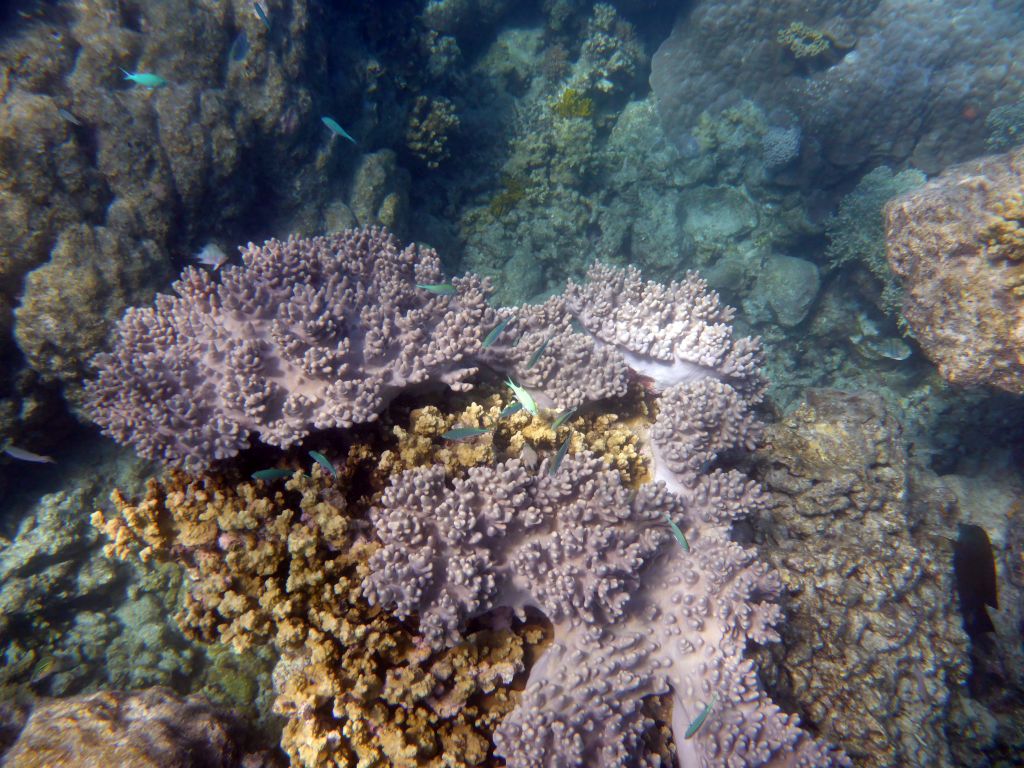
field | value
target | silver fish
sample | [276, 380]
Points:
[22, 455]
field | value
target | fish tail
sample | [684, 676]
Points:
[127, 74]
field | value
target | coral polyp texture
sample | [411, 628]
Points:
[957, 246]
[309, 334]
[284, 566]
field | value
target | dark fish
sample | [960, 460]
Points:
[263, 15]
[678, 533]
[563, 417]
[336, 129]
[69, 117]
[464, 433]
[267, 475]
[239, 47]
[324, 462]
[22, 455]
[974, 565]
[492, 337]
[699, 720]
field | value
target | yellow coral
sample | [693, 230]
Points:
[1004, 233]
[285, 567]
[804, 41]
[573, 103]
[513, 193]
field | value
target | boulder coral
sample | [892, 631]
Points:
[151, 728]
[957, 247]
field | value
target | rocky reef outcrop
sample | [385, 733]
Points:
[957, 246]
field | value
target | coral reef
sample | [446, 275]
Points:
[71, 621]
[571, 539]
[152, 728]
[530, 231]
[636, 613]
[856, 232]
[153, 173]
[93, 275]
[285, 565]
[956, 246]
[887, 81]
[309, 334]
[872, 645]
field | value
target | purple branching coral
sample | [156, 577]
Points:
[316, 333]
[635, 615]
[309, 334]
[667, 333]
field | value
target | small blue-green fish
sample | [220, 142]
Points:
[536, 355]
[269, 475]
[678, 533]
[523, 397]
[145, 79]
[464, 433]
[69, 117]
[331, 123]
[563, 417]
[511, 409]
[699, 720]
[263, 15]
[492, 337]
[324, 462]
[239, 47]
[564, 449]
[441, 289]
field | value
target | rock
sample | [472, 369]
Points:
[93, 275]
[717, 213]
[790, 286]
[380, 193]
[872, 646]
[957, 246]
[140, 729]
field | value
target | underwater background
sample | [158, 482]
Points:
[849, 176]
